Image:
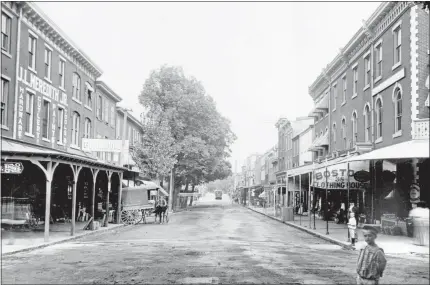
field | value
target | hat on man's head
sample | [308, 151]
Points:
[371, 229]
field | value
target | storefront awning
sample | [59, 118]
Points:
[404, 150]
[323, 103]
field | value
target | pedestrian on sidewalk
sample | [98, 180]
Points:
[352, 227]
[371, 260]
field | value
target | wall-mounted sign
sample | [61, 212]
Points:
[336, 176]
[11, 167]
[104, 145]
[362, 176]
[20, 111]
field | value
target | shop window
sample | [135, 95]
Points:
[62, 72]
[32, 52]
[29, 107]
[48, 61]
[76, 88]
[398, 109]
[4, 99]
[367, 123]
[379, 118]
[45, 119]
[60, 125]
[5, 32]
[75, 128]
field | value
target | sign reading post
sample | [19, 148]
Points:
[11, 167]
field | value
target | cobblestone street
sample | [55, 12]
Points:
[214, 242]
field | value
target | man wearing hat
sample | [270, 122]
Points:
[371, 260]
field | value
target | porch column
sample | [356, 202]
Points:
[93, 199]
[118, 211]
[76, 170]
[109, 174]
[49, 174]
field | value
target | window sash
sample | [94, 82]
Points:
[32, 52]
[397, 44]
[344, 89]
[29, 113]
[5, 31]
[355, 81]
[48, 59]
[45, 119]
[61, 72]
[4, 98]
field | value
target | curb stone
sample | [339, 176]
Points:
[31, 248]
[324, 237]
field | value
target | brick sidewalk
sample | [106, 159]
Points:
[393, 245]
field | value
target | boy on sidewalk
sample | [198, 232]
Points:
[352, 227]
[371, 260]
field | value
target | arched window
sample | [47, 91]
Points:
[398, 109]
[87, 133]
[367, 123]
[76, 88]
[354, 128]
[344, 133]
[334, 135]
[76, 120]
[379, 118]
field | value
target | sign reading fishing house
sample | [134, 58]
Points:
[336, 176]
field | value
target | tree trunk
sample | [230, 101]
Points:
[192, 197]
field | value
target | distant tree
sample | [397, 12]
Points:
[425, 4]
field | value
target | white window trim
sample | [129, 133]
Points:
[46, 140]
[397, 65]
[6, 53]
[75, 146]
[29, 135]
[354, 96]
[49, 118]
[397, 134]
[367, 54]
[3, 127]
[77, 101]
[29, 90]
[379, 140]
[33, 34]
[7, 13]
[379, 97]
[62, 58]
[88, 107]
[397, 25]
[48, 47]
[64, 74]
[7, 78]
[377, 44]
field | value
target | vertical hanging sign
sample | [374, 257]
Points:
[39, 107]
[20, 111]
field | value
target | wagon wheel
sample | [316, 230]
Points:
[131, 217]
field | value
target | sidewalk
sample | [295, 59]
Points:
[338, 234]
[19, 241]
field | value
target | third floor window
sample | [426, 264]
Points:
[367, 70]
[354, 80]
[397, 44]
[76, 88]
[48, 60]
[32, 52]
[378, 55]
[367, 124]
[62, 72]
[344, 85]
[5, 32]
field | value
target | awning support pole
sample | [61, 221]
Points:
[300, 198]
[294, 196]
[309, 199]
[118, 211]
[326, 199]
[109, 174]
[49, 174]
[76, 170]
[93, 199]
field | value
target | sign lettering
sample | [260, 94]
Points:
[41, 86]
[20, 111]
[54, 114]
[104, 145]
[11, 167]
[337, 176]
[65, 127]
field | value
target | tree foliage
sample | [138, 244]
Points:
[201, 135]
[226, 185]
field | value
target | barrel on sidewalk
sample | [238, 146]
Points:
[421, 231]
[287, 214]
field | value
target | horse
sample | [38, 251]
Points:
[160, 210]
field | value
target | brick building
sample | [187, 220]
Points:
[49, 103]
[372, 97]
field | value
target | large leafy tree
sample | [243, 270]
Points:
[201, 135]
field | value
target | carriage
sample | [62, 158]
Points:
[136, 206]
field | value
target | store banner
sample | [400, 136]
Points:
[335, 177]
[104, 145]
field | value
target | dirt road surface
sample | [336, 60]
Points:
[213, 243]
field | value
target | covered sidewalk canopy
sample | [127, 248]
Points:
[17, 150]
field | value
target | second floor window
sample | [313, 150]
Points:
[4, 97]
[367, 70]
[344, 134]
[61, 72]
[87, 133]
[48, 60]
[45, 119]
[398, 109]
[397, 44]
[5, 32]
[334, 96]
[60, 125]
[367, 123]
[344, 89]
[76, 88]
[355, 81]
[32, 52]
[29, 105]
[76, 120]
[379, 118]
[354, 128]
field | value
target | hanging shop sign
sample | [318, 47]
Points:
[11, 167]
[104, 145]
[362, 176]
[336, 176]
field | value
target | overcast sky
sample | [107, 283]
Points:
[255, 59]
